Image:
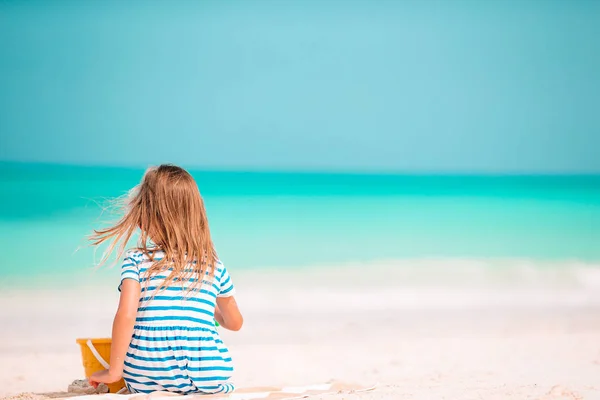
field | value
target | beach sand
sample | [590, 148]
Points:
[418, 335]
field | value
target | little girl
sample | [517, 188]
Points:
[173, 288]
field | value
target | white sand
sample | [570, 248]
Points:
[421, 336]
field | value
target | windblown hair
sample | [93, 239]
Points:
[169, 211]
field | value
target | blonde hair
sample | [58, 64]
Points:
[169, 211]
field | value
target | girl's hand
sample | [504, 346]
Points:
[218, 317]
[104, 376]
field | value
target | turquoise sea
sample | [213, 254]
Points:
[291, 220]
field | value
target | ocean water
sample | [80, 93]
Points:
[294, 220]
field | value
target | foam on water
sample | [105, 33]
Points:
[427, 284]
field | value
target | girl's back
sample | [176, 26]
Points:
[180, 303]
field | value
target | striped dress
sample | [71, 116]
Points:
[175, 345]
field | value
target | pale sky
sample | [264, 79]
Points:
[476, 86]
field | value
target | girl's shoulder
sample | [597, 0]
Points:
[219, 266]
[139, 256]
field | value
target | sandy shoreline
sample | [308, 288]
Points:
[439, 342]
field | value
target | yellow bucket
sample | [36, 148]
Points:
[95, 354]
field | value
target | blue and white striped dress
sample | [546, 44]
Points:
[175, 345]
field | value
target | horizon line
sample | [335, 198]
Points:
[315, 171]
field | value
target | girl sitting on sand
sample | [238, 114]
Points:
[173, 287]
